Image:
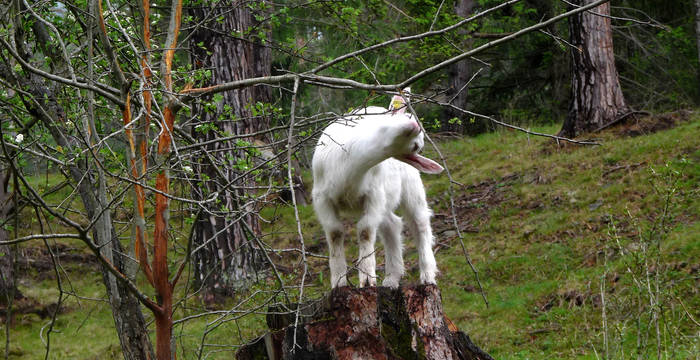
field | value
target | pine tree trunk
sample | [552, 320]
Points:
[459, 75]
[697, 34]
[8, 287]
[229, 256]
[366, 323]
[596, 95]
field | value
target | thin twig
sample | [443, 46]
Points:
[452, 205]
[290, 141]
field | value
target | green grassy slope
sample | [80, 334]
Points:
[549, 227]
[579, 250]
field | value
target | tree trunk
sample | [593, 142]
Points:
[8, 286]
[459, 75]
[366, 323]
[596, 95]
[229, 256]
[697, 34]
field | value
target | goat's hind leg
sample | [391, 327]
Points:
[419, 226]
[390, 231]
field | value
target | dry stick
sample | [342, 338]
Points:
[466, 85]
[437, 14]
[511, 126]
[409, 38]
[452, 203]
[81, 85]
[602, 300]
[82, 235]
[290, 141]
[491, 44]
[647, 23]
[58, 283]
[22, 239]
[311, 75]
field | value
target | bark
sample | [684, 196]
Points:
[459, 75]
[366, 323]
[8, 287]
[697, 33]
[596, 95]
[228, 257]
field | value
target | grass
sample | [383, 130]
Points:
[578, 195]
[550, 226]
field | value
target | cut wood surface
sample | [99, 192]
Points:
[366, 323]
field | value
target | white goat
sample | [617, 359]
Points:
[361, 170]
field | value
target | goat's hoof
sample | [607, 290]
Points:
[391, 283]
[428, 280]
[339, 283]
[368, 283]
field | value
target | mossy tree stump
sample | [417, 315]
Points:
[366, 323]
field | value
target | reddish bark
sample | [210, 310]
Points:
[367, 323]
[157, 272]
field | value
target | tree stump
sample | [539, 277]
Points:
[366, 323]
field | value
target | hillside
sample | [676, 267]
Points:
[576, 246]
[581, 251]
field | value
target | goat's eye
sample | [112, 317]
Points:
[416, 147]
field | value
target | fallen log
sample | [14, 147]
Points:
[365, 323]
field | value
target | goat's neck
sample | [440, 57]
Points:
[365, 154]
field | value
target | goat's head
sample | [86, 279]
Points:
[405, 137]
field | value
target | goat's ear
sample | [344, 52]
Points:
[398, 103]
[397, 106]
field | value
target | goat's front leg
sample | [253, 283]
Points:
[367, 263]
[336, 261]
[335, 237]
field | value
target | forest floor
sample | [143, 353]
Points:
[581, 252]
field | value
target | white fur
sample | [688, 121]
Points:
[357, 176]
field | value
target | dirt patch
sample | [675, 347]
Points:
[25, 306]
[575, 298]
[642, 125]
[569, 298]
[472, 205]
[636, 124]
[38, 259]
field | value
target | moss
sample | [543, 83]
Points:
[396, 327]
